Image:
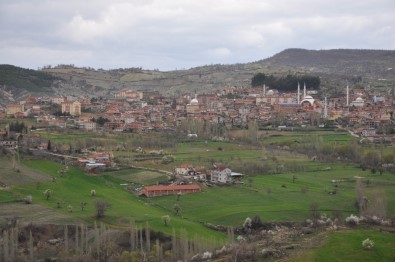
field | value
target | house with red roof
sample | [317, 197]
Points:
[162, 190]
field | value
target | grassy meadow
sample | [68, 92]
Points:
[279, 198]
[347, 246]
[284, 196]
[75, 186]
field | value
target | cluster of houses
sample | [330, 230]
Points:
[216, 175]
[361, 110]
[97, 161]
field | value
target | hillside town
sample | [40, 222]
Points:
[367, 114]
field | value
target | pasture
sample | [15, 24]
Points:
[347, 246]
[279, 198]
[75, 186]
[273, 197]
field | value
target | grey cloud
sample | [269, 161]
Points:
[170, 34]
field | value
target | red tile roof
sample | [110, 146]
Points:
[172, 187]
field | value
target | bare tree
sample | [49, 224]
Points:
[360, 199]
[101, 206]
[315, 211]
[378, 204]
[177, 209]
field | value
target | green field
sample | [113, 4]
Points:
[273, 197]
[277, 198]
[286, 195]
[75, 187]
[347, 246]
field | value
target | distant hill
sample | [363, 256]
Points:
[21, 78]
[17, 82]
[367, 63]
[334, 67]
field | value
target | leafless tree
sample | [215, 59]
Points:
[101, 206]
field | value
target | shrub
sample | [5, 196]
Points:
[93, 192]
[167, 159]
[367, 244]
[256, 222]
[207, 255]
[352, 220]
[47, 193]
[247, 223]
[28, 200]
[166, 220]
[240, 239]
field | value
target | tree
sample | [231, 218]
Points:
[177, 209]
[258, 79]
[101, 206]
[360, 200]
[315, 211]
[100, 121]
[83, 204]
[179, 194]
[47, 193]
[166, 220]
[256, 222]
[372, 159]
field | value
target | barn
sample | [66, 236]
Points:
[161, 190]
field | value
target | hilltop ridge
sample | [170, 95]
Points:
[332, 66]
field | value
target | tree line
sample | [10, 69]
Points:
[287, 83]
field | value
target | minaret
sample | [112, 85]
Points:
[264, 89]
[347, 95]
[304, 90]
[298, 93]
[326, 109]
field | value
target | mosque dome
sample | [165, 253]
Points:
[359, 99]
[270, 92]
[308, 99]
[194, 101]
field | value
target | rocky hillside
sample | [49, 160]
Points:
[368, 67]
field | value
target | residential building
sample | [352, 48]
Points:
[71, 107]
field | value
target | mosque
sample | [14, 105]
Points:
[307, 101]
[193, 107]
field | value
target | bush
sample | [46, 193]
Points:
[367, 244]
[166, 220]
[28, 200]
[93, 192]
[47, 193]
[247, 223]
[167, 159]
[352, 220]
[256, 222]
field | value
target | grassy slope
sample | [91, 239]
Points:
[75, 187]
[347, 246]
[231, 205]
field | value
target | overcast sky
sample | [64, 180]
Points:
[177, 34]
